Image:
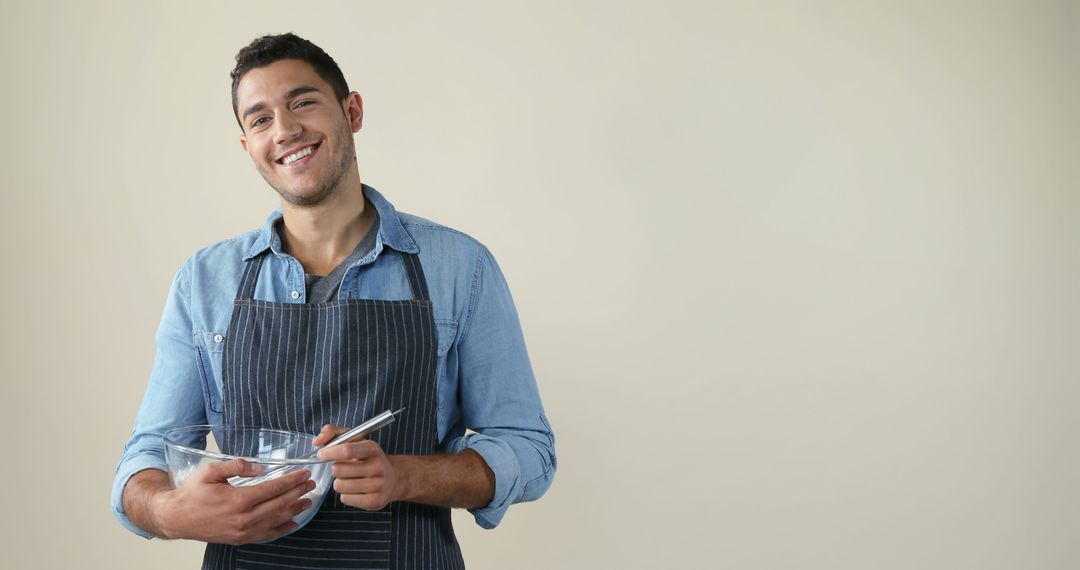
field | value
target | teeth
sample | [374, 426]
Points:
[298, 155]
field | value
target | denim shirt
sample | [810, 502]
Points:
[485, 383]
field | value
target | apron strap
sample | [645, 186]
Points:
[417, 282]
[246, 290]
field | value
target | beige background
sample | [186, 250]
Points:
[799, 279]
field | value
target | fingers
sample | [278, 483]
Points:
[206, 507]
[282, 530]
[267, 490]
[357, 469]
[360, 486]
[273, 514]
[221, 471]
[364, 476]
[367, 502]
[279, 509]
[357, 450]
[263, 534]
[368, 493]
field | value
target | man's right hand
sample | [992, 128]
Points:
[207, 508]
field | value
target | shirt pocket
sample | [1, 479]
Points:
[445, 331]
[209, 348]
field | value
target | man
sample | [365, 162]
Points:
[365, 308]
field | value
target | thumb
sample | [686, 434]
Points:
[221, 471]
[328, 432]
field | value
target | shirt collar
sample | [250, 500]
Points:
[391, 231]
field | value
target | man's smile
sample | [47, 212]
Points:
[298, 157]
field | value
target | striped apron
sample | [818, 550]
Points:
[299, 366]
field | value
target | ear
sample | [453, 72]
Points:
[353, 106]
[243, 142]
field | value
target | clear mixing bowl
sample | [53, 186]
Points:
[279, 452]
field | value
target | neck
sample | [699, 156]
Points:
[321, 237]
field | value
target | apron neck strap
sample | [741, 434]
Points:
[415, 271]
[246, 290]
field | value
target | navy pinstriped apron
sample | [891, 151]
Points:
[299, 366]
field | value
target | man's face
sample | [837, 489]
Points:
[296, 131]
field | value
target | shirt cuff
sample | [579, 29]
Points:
[124, 473]
[503, 463]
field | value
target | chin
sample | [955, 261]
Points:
[305, 197]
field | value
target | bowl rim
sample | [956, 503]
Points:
[167, 441]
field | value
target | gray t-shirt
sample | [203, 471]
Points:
[322, 289]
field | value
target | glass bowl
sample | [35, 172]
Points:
[279, 452]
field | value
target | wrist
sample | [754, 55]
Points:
[404, 484]
[157, 509]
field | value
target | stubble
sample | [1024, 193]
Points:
[345, 153]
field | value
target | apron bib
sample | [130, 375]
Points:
[299, 366]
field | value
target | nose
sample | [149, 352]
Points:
[285, 128]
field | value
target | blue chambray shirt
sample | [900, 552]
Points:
[485, 383]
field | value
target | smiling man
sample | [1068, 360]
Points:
[338, 308]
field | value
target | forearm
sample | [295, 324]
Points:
[139, 494]
[460, 480]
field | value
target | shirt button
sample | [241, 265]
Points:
[295, 294]
[218, 338]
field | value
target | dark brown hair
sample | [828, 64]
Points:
[269, 49]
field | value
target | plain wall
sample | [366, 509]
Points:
[799, 279]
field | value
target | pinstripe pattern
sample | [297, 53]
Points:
[297, 367]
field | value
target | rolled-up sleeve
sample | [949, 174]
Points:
[500, 402]
[173, 397]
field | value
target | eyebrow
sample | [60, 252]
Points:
[290, 95]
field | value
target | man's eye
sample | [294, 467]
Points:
[259, 121]
[302, 104]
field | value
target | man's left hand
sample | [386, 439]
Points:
[364, 476]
